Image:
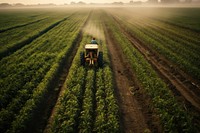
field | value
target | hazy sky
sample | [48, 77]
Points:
[61, 1]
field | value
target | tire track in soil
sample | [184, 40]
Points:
[61, 84]
[44, 115]
[185, 88]
[132, 118]
[184, 84]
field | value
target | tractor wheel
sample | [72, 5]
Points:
[100, 59]
[82, 59]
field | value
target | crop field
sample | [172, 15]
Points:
[149, 81]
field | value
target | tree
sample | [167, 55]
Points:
[169, 1]
[4, 5]
[152, 1]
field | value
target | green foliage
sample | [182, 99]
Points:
[173, 117]
[179, 45]
[96, 110]
[27, 74]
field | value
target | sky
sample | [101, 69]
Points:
[62, 1]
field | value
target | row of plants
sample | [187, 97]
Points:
[187, 18]
[22, 25]
[15, 18]
[186, 35]
[172, 115]
[69, 105]
[88, 106]
[184, 18]
[14, 39]
[108, 120]
[146, 21]
[173, 43]
[94, 107]
[10, 18]
[107, 115]
[187, 39]
[174, 51]
[27, 59]
[27, 74]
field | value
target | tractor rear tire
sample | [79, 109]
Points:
[100, 59]
[82, 59]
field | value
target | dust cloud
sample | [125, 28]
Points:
[94, 31]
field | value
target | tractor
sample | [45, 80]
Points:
[91, 56]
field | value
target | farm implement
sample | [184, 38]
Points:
[91, 56]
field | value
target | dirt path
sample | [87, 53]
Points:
[65, 73]
[132, 117]
[60, 86]
[44, 115]
[174, 77]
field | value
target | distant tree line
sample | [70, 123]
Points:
[21, 5]
[172, 1]
[132, 2]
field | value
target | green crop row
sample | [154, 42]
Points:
[175, 51]
[108, 120]
[68, 107]
[27, 74]
[13, 17]
[14, 39]
[87, 113]
[188, 20]
[187, 41]
[27, 61]
[172, 115]
[22, 25]
[172, 31]
[107, 117]
[94, 107]
[172, 43]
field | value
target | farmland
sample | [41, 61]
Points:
[149, 82]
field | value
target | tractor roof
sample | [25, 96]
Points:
[91, 46]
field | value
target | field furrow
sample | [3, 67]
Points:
[142, 75]
[22, 25]
[180, 81]
[94, 108]
[15, 39]
[152, 84]
[31, 89]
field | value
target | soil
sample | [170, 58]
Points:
[169, 72]
[65, 73]
[185, 88]
[135, 113]
[44, 115]
[134, 104]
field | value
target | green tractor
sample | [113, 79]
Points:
[91, 56]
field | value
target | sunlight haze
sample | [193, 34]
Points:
[62, 1]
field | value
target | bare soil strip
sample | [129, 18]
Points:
[177, 79]
[44, 115]
[61, 83]
[132, 117]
